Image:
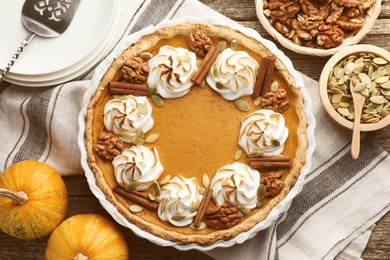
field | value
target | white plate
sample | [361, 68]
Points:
[76, 69]
[65, 76]
[49, 55]
[274, 214]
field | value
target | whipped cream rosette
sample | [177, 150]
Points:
[233, 74]
[125, 117]
[236, 184]
[179, 201]
[263, 130]
[171, 71]
[138, 164]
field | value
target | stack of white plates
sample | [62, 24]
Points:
[50, 61]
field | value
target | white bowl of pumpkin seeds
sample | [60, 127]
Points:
[368, 68]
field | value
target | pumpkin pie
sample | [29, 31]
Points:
[196, 132]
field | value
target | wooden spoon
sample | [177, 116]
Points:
[358, 102]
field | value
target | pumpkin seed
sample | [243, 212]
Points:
[178, 217]
[275, 142]
[132, 185]
[151, 91]
[151, 196]
[365, 92]
[215, 70]
[244, 211]
[343, 111]
[257, 101]
[339, 73]
[221, 45]
[122, 97]
[336, 98]
[261, 203]
[275, 116]
[274, 85]
[379, 61]
[343, 79]
[201, 190]
[146, 55]
[202, 226]
[135, 208]
[261, 192]
[157, 188]
[140, 133]
[376, 74]
[359, 67]
[344, 104]
[152, 138]
[238, 154]
[205, 180]
[165, 179]
[203, 84]
[359, 87]
[125, 135]
[386, 85]
[349, 67]
[377, 100]
[195, 206]
[256, 153]
[382, 80]
[142, 109]
[233, 44]
[137, 141]
[241, 105]
[157, 100]
[219, 85]
[365, 79]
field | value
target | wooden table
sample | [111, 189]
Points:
[81, 199]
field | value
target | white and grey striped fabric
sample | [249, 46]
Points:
[331, 218]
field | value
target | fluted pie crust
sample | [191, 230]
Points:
[203, 150]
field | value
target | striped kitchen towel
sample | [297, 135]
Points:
[331, 218]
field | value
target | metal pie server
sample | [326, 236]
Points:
[46, 18]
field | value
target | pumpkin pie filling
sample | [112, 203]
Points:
[198, 136]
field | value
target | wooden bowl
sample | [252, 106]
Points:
[361, 48]
[370, 19]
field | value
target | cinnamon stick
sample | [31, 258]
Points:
[203, 69]
[137, 193]
[268, 76]
[206, 59]
[121, 91]
[270, 159]
[127, 85]
[207, 66]
[125, 88]
[137, 199]
[269, 165]
[203, 207]
[260, 78]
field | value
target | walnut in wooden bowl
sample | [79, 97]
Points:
[318, 27]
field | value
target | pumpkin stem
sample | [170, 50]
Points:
[19, 197]
[80, 256]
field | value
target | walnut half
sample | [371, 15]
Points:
[272, 183]
[275, 100]
[135, 70]
[222, 216]
[109, 146]
[199, 43]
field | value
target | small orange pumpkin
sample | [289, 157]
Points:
[86, 236]
[33, 200]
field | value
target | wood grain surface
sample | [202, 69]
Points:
[81, 199]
